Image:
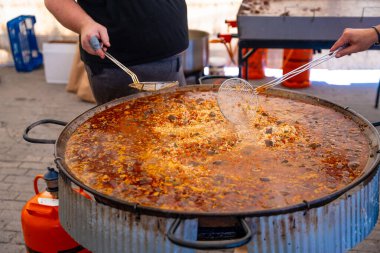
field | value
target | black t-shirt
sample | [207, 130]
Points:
[140, 31]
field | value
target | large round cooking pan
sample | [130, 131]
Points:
[60, 146]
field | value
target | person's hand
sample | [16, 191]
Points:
[94, 29]
[355, 40]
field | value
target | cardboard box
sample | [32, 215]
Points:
[58, 59]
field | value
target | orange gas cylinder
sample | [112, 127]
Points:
[256, 64]
[294, 58]
[40, 222]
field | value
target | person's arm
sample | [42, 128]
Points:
[73, 17]
[356, 40]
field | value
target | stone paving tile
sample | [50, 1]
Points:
[48, 160]
[18, 180]
[25, 196]
[13, 226]
[26, 98]
[13, 171]
[22, 188]
[11, 248]
[7, 236]
[2, 223]
[35, 172]
[11, 204]
[375, 234]
[4, 186]
[32, 158]
[31, 165]
[10, 215]
[370, 246]
[8, 164]
[13, 155]
[18, 238]
[8, 195]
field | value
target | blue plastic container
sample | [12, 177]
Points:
[23, 42]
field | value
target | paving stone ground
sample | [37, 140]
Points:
[26, 98]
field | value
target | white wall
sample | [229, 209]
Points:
[209, 15]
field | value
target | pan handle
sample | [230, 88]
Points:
[41, 122]
[376, 124]
[210, 245]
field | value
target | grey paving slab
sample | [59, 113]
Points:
[25, 196]
[12, 170]
[33, 158]
[34, 172]
[11, 248]
[7, 236]
[2, 224]
[9, 164]
[12, 204]
[18, 238]
[31, 165]
[10, 215]
[369, 246]
[8, 195]
[23, 188]
[4, 186]
[375, 234]
[13, 226]
[26, 98]
[18, 180]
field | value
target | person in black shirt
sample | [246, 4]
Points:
[146, 36]
[356, 40]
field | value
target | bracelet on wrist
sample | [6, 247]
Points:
[378, 35]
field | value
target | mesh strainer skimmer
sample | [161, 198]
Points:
[238, 100]
[142, 86]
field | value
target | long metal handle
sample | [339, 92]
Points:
[95, 44]
[298, 71]
[210, 245]
[41, 122]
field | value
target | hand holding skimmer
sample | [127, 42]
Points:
[238, 100]
[146, 86]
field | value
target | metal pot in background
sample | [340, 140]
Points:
[196, 56]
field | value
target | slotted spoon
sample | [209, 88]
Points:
[142, 86]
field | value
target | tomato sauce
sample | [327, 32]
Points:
[176, 151]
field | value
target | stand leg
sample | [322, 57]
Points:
[240, 60]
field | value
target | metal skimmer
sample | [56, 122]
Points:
[238, 100]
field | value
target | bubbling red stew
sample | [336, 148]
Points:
[177, 152]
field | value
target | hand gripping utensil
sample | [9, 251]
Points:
[142, 86]
[238, 100]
